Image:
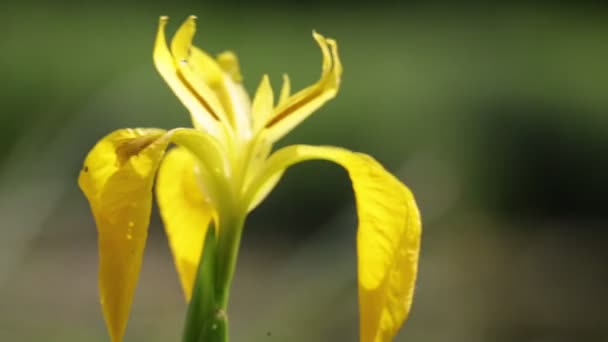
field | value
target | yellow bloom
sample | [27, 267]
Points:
[222, 168]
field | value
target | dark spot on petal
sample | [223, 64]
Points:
[85, 169]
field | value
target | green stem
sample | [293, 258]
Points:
[228, 249]
[202, 322]
[207, 320]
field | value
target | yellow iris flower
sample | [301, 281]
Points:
[222, 168]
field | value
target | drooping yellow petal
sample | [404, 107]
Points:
[388, 237]
[202, 117]
[292, 111]
[117, 180]
[185, 211]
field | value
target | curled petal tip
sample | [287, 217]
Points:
[162, 23]
[189, 25]
[321, 38]
[192, 20]
[230, 64]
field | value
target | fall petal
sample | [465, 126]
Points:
[185, 211]
[117, 180]
[388, 237]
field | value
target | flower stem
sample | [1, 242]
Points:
[227, 253]
[207, 320]
[202, 321]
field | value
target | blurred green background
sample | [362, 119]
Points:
[495, 116]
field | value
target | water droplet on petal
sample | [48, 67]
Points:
[129, 234]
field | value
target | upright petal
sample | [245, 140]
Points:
[218, 83]
[234, 96]
[117, 180]
[285, 90]
[262, 103]
[202, 115]
[296, 108]
[388, 237]
[185, 211]
[196, 69]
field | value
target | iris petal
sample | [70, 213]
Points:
[199, 74]
[233, 94]
[117, 180]
[185, 211]
[216, 83]
[388, 237]
[202, 118]
[296, 108]
[285, 90]
[262, 103]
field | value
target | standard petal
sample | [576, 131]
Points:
[185, 211]
[218, 83]
[292, 111]
[262, 104]
[235, 96]
[202, 116]
[196, 69]
[285, 90]
[388, 237]
[117, 180]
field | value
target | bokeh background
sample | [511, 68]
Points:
[495, 116]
